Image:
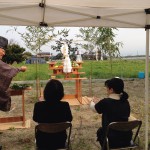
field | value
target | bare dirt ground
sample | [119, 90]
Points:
[85, 122]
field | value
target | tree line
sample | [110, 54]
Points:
[96, 40]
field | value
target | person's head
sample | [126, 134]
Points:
[3, 46]
[116, 85]
[54, 91]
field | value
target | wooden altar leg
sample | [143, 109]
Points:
[79, 90]
[23, 109]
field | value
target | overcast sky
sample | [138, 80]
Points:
[134, 40]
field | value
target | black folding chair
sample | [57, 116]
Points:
[55, 128]
[133, 125]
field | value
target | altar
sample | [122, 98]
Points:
[75, 74]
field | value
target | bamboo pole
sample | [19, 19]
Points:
[90, 81]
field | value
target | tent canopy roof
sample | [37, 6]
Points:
[78, 13]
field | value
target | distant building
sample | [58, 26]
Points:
[45, 55]
[41, 58]
[34, 60]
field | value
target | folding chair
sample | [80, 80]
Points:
[133, 125]
[55, 128]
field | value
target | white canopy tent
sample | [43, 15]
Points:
[82, 13]
[109, 13]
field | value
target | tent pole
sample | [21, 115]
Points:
[147, 27]
[146, 89]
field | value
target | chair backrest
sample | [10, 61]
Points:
[125, 126]
[54, 128]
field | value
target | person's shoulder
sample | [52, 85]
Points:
[106, 100]
[39, 103]
[109, 99]
[112, 101]
[64, 103]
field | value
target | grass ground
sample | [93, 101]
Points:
[96, 69]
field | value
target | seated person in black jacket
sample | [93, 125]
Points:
[114, 108]
[52, 110]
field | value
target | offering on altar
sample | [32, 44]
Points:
[64, 49]
[78, 58]
[67, 67]
[75, 64]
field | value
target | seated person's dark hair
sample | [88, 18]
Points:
[53, 91]
[117, 85]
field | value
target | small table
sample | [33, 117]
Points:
[17, 118]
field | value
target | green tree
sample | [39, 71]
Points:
[86, 34]
[106, 41]
[14, 53]
[27, 55]
[108, 44]
[58, 44]
[101, 38]
[34, 38]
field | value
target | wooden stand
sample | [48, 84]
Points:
[69, 76]
[16, 118]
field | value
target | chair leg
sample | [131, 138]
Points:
[70, 147]
[36, 148]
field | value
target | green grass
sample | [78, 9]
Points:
[96, 69]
